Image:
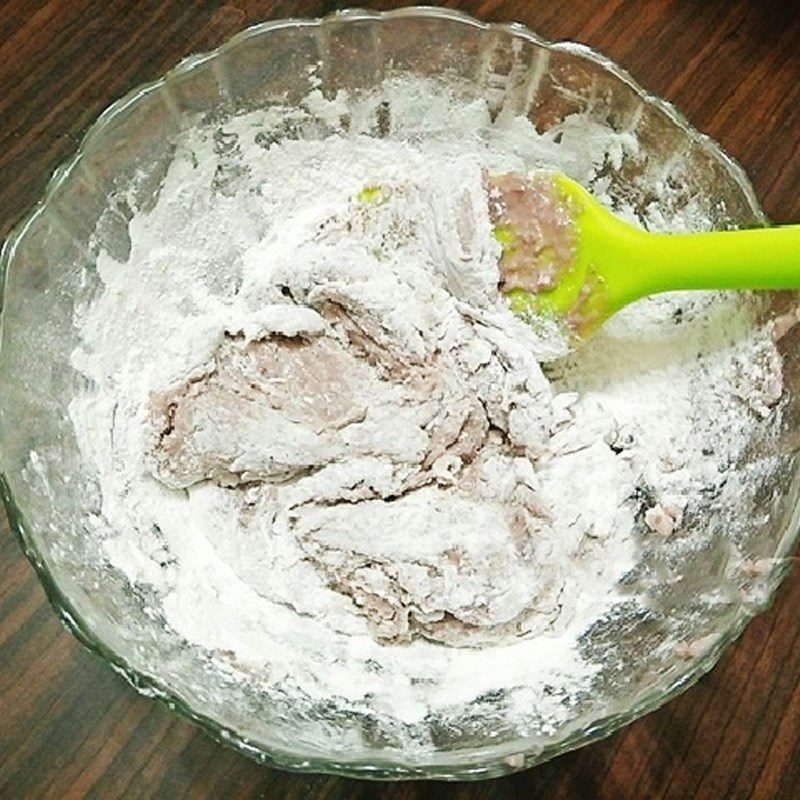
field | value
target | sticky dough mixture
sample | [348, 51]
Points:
[324, 442]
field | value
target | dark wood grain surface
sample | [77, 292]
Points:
[70, 728]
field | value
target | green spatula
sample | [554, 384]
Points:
[565, 255]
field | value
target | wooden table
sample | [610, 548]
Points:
[71, 728]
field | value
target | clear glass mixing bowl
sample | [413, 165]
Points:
[53, 503]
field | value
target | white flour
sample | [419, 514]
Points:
[330, 450]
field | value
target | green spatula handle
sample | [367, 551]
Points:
[762, 258]
[633, 263]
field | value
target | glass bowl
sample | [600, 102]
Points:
[47, 269]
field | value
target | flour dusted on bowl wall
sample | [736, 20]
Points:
[341, 463]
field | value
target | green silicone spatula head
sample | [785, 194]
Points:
[565, 255]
